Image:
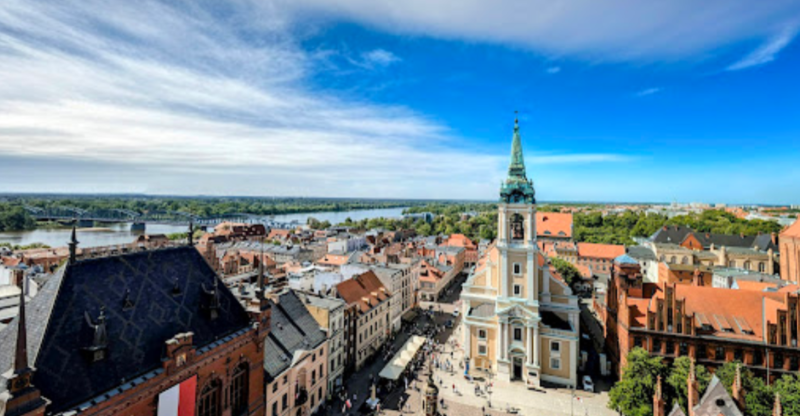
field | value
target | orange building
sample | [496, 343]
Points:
[790, 253]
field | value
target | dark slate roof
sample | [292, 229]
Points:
[554, 321]
[727, 240]
[292, 329]
[670, 234]
[764, 242]
[641, 253]
[57, 328]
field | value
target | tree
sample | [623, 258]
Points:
[727, 375]
[567, 270]
[678, 381]
[633, 394]
[15, 218]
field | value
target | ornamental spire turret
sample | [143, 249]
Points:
[73, 245]
[516, 169]
[517, 189]
[21, 354]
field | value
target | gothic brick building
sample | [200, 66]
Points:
[141, 334]
[712, 325]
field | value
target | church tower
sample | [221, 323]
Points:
[521, 322]
[518, 297]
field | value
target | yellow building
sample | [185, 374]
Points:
[520, 321]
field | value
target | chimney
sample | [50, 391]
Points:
[658, 401]
[693, 395]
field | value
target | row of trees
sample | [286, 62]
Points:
[14, 218]
[621, 228]
[448, 220]
[633, 394]
[212, 206]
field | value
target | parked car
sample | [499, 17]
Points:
[449, 323]
[455, 313]
[588, 385]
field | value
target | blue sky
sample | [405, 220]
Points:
[619, 100]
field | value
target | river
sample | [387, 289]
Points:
[121, 233]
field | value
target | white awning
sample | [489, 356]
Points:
[400, 361]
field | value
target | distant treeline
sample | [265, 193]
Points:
[211, 206]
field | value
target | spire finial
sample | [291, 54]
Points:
[73, 243]
[21, 356]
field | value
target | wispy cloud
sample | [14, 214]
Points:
[767, 52]
[648, 91]
[629, 30]
[169, 97]
[553, 69]
[379, 57]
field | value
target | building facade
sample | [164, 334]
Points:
[369, 314]
[790, 253]
[520, 320]
[329, 314]
[295, 359]
[711, 325]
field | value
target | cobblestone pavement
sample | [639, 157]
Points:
[464, 401]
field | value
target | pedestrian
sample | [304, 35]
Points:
[483, 410]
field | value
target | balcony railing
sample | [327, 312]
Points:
[301, 397]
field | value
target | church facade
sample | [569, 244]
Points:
[521, 320]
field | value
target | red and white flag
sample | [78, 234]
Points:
[178, 400]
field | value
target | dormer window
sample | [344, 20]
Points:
[97, 337]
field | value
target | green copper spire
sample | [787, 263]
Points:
[517, 167]
[517, 189]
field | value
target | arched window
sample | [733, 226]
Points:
[239, 389]
[762, 267]
[747, 265]
[685, 260]
[517, 227]
[731, 264]
[673, 260]
[210, 399]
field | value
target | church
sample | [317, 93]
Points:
[521, 320]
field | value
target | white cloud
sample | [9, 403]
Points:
[379, 57]
[648, 91]
[767, 52]
[611, 30]
[554, 70]
[178, 100]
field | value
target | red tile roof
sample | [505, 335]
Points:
[603, 251]
[554, 224]
[723, 307]
[365, 290]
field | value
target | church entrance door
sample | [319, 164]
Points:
[517, 368]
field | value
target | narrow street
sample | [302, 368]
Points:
[429, 317]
